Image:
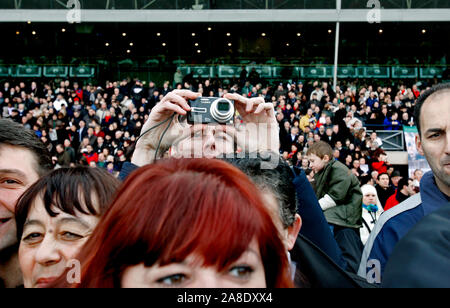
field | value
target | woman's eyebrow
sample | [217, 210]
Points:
[32, 222]
[73, 219]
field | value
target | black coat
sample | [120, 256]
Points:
[421, 259]
[316, 270]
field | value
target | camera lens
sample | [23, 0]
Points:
[223, 106]
[222, 110]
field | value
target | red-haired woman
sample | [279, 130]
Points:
[185, 223]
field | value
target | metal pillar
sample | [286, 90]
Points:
[336, 47]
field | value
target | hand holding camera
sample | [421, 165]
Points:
[174, 102]
[260, 124]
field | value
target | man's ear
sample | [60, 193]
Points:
[293, 231]
[419, 145]
[326, 158]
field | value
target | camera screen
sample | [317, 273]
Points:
[223, 106]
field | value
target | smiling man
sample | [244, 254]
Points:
[23, 160]
[432, 112]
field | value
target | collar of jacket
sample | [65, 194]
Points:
[432, 197]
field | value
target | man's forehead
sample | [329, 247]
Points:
[211, 127]
[435, 111]
[20, 159]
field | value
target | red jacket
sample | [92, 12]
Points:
[92, 157]
[379, 166]
[391, 202]
[396, 198]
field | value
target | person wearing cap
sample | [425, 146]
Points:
[432, 111]
[395, 178]
[372, 210]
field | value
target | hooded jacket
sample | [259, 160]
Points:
[339, 194]
[369, 217]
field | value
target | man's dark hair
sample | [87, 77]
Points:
[364, 179]
[379, 175]
[402, 182]
[422, 98]
[14, 134]
[278, 181]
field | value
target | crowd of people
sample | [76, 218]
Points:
[321, 145]
[97, 125]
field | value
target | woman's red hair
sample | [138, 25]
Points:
[166, 211]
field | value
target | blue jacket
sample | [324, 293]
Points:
[389, 126]
[425, 247]
[395, 223]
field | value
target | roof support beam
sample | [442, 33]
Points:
[387, 15]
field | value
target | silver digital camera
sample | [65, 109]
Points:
[205, 110]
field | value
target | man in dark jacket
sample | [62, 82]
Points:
[421, 259]
[384, 190]
[63, 156]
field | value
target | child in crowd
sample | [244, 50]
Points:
[340, 198]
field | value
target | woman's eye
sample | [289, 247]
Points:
[32, 238]
[9, 182]
[241, 271]
[173, 280]
[70, 236]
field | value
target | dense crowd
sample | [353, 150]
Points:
[96, 124]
